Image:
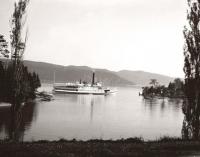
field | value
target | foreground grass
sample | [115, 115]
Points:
[136, 147]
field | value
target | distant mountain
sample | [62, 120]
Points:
[74, 73]
[143, 78]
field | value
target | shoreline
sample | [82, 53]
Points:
[124, 147]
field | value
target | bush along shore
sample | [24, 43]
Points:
[135, 147]
[175, 89]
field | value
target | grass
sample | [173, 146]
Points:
[136, 147]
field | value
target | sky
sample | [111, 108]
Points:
[112, 34]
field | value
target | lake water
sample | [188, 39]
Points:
[121, 115]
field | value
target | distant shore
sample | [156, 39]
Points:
[130, 147]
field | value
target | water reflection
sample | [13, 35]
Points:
[83, 117]
[92, 101]
[176, 104]
[82, 102]
[152, 104]
[13, 124]
[91, 111]
[163, 104]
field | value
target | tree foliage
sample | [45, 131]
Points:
[17, 83]
[4, 53]
[175, 89]
[18, 45]
[28, 85]
[191, 106]
[153, 82]
[3, 47]
[18, 20]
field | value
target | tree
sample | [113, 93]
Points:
[17, 49]
[191, 106]
[4, 53]
[178, 83]
[153, 82]
[176, 88]
[18, 44]
[3, 47]
[17, 84]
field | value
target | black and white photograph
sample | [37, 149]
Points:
[99, 78]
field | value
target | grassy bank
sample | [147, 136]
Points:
[136, 147]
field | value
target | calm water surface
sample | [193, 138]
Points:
[121, 115]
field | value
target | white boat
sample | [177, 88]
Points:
[82, 88]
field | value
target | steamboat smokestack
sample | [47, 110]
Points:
[93, 78]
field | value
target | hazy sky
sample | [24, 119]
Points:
[113, 34]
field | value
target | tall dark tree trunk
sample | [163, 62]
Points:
[191, 106]
[17, 49]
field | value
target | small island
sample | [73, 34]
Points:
[175, 89]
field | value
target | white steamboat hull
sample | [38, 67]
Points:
[83, 92]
